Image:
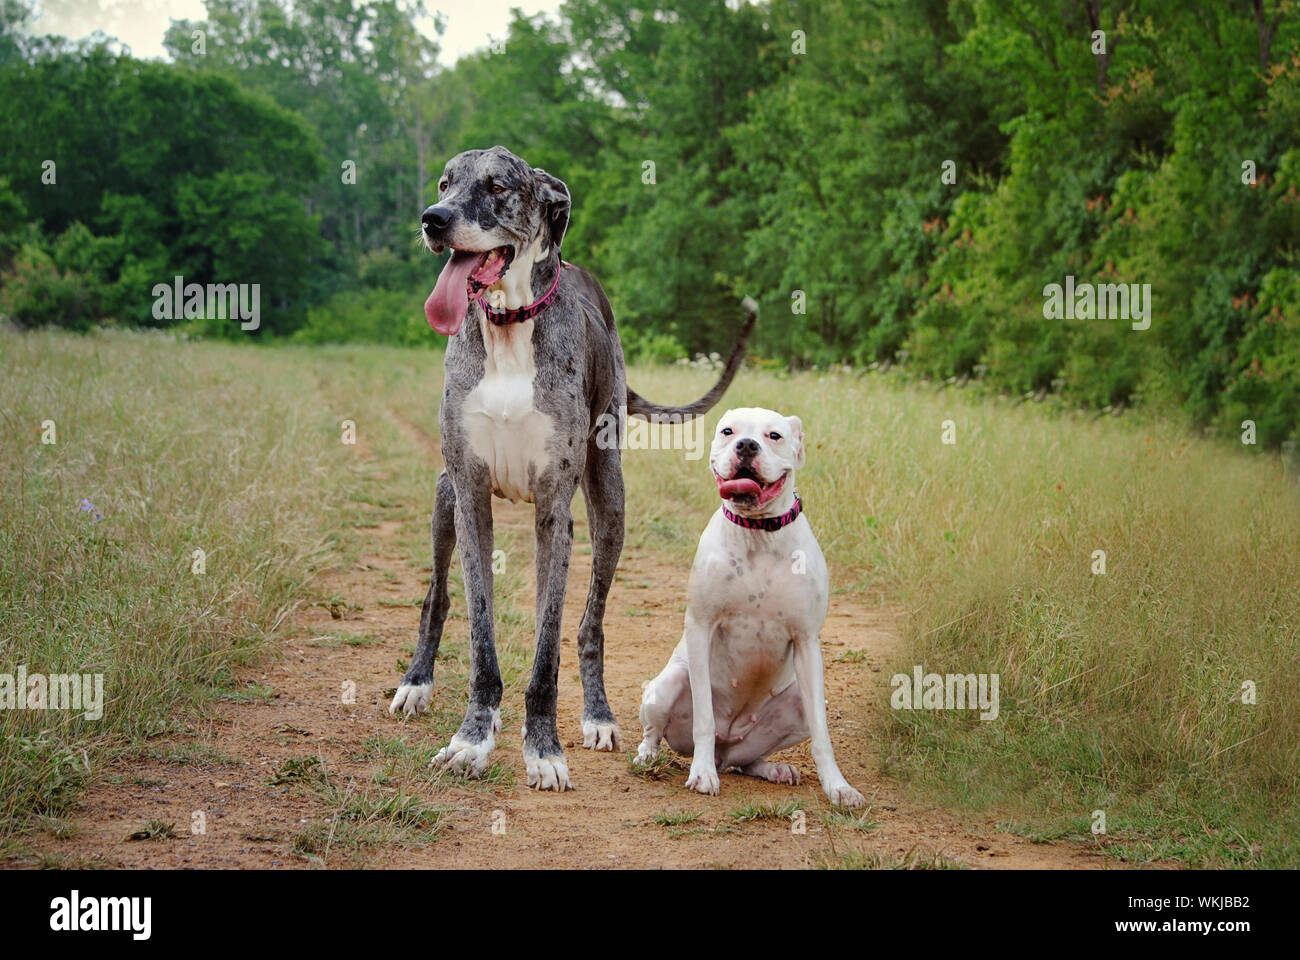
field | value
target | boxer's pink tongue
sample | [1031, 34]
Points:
[740, 487]
[449, 302]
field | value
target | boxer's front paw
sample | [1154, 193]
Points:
[842, 795]
[646, 751]
[704, 778]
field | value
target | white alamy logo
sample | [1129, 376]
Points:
[75, 912]
[179, 300]
[639, 435]
[1106, 301]
[946, 691]
[55, 691]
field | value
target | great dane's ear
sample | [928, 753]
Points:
[796, 440]
[554, 197]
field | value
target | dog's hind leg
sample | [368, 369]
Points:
[602, 489]
[416, 689]
[665, 703]
[471, 746]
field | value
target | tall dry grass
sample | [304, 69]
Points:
[1120, 692]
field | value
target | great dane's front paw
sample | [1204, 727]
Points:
[646, 751]
[704, 779]
[462, 756]
[545, 763]
[471, 748]
[601, 735]
[412, 698]
[548, 773]
[842, 795]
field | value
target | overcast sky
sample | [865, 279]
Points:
[140, 24]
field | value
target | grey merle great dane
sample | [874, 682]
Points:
[531, 382]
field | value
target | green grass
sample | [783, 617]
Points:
[675, 818]
[836, 817]
[179, 447]
[664, 765]
[860, 860]
[1119, 692]
[397, 760]
[154, 830]
[753, 810]
[365, 817]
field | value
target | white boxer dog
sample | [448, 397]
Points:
[746, 679]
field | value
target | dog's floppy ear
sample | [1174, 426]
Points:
[554, 197]
[796, 439]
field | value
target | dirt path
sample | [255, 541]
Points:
[607, 821]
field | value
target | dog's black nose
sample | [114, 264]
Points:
[436, 218]
[746, 447]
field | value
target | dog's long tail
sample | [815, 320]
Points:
[639, 406]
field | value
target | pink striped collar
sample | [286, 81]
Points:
[766, 523]
[520, 314]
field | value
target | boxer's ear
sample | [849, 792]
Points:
[796, 439]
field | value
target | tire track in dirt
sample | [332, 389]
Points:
[606, 822]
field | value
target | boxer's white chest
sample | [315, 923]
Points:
[502, 423]
[759, 601]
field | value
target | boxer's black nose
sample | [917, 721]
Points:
[436, 218]
[746, 447]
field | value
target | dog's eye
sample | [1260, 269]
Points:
[774, 435]
[442, 186]
[497, 188]
[725, 431]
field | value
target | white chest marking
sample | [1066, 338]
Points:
[504, 427]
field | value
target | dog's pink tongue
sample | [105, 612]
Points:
[740, 487]
[449, 302]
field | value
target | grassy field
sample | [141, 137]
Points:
[1120, 692]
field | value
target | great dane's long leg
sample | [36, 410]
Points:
[472, 744]
[416, 689]
[543, 755]
[602, 488]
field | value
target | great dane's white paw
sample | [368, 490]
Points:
[412, 698]
[842, 795]
[547, 773]
[463, 756]
[704, 778]
[601, 736]
[774, 772]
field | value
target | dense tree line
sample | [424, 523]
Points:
[897, 181]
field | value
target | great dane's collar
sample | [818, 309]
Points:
[766, 523]
[520, 314]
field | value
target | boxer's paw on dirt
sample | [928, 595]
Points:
[646, 751]
[773, 772]
[842, 795]
[704, 778]
[604, 735]
[412, 698]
